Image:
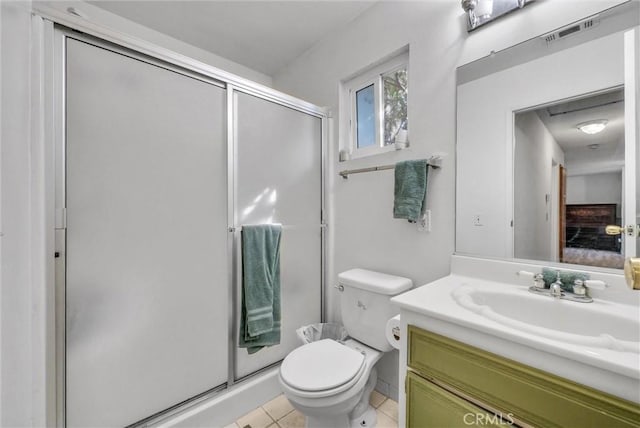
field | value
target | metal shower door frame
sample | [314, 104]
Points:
[54, 38]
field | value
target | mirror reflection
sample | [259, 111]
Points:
[544, 168]
[568, 174]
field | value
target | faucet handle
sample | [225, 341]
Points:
[578, 288]
[525, 274]
[538, 280]
[581, 287]
[595, 284]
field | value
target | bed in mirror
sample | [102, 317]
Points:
[547, 146]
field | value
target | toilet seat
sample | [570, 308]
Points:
[322, 368]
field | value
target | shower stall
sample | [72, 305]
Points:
[157, 167]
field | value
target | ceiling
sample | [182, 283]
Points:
[262, 35]
[604, 147]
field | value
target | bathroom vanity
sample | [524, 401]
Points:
[479, 347]
[524, 364]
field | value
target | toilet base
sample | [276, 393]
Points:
[338, 421]
[362, 415]
[368, 419]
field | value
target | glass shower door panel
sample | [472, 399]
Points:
[279, 161]
[146, 289]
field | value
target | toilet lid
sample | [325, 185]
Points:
[321, 365]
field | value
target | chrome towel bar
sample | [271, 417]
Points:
[284, 227]
[434, 162]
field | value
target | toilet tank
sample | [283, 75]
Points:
[365, 304]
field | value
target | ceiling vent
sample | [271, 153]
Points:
[567, 31]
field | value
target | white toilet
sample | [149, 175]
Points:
[330, 382]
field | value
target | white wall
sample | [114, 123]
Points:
[535, 152]
[16, 298]
[605, 188]
[362, 230]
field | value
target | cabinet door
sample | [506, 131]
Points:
[429, 405]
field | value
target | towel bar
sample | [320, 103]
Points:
[284, 227]
[433, 162]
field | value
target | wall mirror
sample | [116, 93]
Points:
[547, 146]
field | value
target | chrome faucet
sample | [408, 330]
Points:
[555, 290]
[580, 292]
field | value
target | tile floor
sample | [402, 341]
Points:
[278, 413]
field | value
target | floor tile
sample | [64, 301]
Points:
[256, 419]
[294, 419]
[390, 408]
[278, 407]
[376, 399]
[385, 421]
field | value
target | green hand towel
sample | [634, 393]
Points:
[566, 277]
[260, 320]
[410, 190]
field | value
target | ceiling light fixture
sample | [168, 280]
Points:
[593, 126]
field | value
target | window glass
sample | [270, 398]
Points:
[394, 88]
[366, 117]
[373, 109]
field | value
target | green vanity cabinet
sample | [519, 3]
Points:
[447, 380]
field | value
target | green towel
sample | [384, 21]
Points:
[567, 278]
[410, 190]
[260, 320]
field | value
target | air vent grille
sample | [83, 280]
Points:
[571, 29]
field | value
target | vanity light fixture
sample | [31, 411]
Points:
[593, 126]
[480, 12]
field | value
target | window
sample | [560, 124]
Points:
[374, 109]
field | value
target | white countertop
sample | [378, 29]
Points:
[434, 308]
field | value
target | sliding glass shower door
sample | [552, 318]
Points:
[279, 180]
[146, 257]
[158, 169]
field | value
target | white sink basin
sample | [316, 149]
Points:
[484, 304]
[586, 324]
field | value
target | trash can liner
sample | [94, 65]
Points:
[314, 332]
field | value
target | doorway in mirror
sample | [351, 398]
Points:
[569, 158]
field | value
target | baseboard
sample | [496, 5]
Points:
[387, 389]
[229, 405]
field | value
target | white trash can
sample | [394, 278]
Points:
[314, 332]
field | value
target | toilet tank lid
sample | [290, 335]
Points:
[375, 281]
